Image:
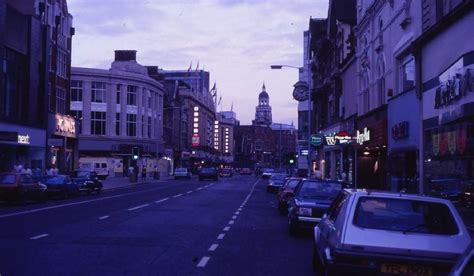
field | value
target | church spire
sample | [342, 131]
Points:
[263, 86]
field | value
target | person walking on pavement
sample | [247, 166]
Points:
[143, 172]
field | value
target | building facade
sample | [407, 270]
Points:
[119, 109]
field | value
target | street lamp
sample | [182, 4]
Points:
[299, 96]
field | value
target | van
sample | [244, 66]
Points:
[97, 164]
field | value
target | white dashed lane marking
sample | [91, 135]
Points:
[138, 207]
[231, 222]
[227, 228]
[234, 217]
[39, 236]
[104, 217]
[221, 236]
[203, 262]
[213, 247]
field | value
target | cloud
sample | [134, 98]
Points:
[236, 40]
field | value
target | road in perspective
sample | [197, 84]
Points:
[174, 227]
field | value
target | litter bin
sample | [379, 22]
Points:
[156, 175]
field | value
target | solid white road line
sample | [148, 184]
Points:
[104, 217]
[203, 262]
[221, 236]
[227, 228]
[178, 195]
[231, 222]
[189, 192]
[138, 207]
[234, 217]
[39, 236]
[161, 200]
[71, 204]
[213, 247]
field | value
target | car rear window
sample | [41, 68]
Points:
[7, 179]
[319, 190]
[292, 183]
[405, 215]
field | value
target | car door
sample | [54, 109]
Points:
[330, 231]
[29, 186]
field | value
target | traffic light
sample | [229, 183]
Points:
[135, 153]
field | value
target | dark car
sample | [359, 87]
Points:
[286, 192]
[276, 182]
[226, 172]
[245, 171]
[62, 185]
[267, 173]
[448, 188]
[88, 181]
[208, 173]
[21, 186]
[311, 200]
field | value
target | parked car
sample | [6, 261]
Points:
[62, 185]
[465, 264]
[267, 173]
[226, 172]
[245, 171]
[311, 200]
[286, 192]
[448, 188]
[276, 182]
[182, 173]
[21, 186]
[468, 197]
[373, 233]
[208, 173]
[88, 181]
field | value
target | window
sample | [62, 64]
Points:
[61, 64]
[336, 205]
[149, 99]
[405, 215]
[131, 95]
[76, 91]
[143, 126]
[117, 124]
[144, 97]
[119, 87]
[98, 92]
[131, 125]
[149, 127]
[60, 100]
[78, 115]
[98, 123]
[407, 73]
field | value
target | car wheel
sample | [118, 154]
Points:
[43, 196]
[99, 190]
[292, 227]
[89, 191]
[22, 198]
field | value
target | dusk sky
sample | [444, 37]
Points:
[236, 41]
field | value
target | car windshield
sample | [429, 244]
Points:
[319, 190]
[57, 179]
[7, 179]
[291, 184]
[405, 215]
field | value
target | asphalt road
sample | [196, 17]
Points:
[182, 227]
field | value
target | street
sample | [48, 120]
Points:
[174, 227]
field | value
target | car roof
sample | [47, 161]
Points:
[388, 194]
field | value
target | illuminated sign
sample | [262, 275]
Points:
[304, 152]
[340, 138]
[363, 137]
[65, 126]
[24, 139]
[195, 140]
[317, 140]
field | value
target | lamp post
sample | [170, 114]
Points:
[301, 93]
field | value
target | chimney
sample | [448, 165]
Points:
[125, 55]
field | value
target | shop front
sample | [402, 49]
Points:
[62, 141]
[21, 145]
[371, 150]
[403, 142]
[448, 122]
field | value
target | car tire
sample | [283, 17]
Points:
[43, 197]
[99, 190]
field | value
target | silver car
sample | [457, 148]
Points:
[375, 233]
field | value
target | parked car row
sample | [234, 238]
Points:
[362, 232]
[22, 186]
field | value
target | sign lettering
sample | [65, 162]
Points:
[65, 126]
[24, 139]
[363, 137]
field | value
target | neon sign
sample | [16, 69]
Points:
[24, 139]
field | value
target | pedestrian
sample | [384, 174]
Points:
[28, 170]
[143, 172]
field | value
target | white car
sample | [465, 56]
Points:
[389, 233]
[182, 173]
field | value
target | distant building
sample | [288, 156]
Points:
[263, 111]
[119, 109]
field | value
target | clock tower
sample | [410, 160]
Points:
[263, 111]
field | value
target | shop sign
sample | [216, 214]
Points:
[185, 155]
[400, 130]
[451, 141]
[195, 140]
[304, 152]
[23, 139]
[454, 84]
[363, 137]
[317, 140]
[65, 126]
[339, 138]
[11, 136]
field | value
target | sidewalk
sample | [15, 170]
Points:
[111, 183]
